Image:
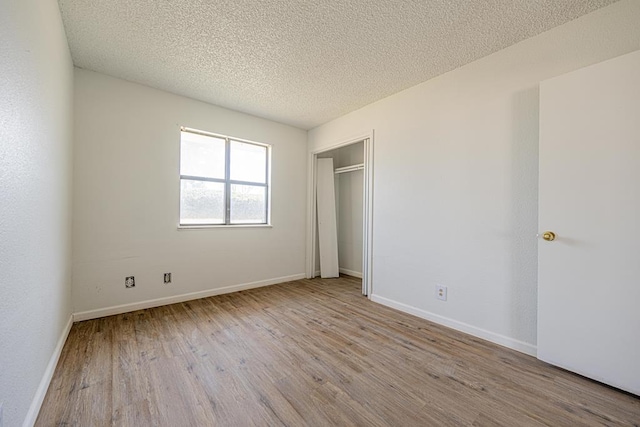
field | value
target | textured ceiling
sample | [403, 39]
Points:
[298, 62]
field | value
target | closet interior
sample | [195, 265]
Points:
[339, 198]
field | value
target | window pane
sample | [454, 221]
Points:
[248, 162]
[201, 155]
[201, 202]
[248, 204]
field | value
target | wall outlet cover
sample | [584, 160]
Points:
[167, 278]
[441, 292]
[130, 282]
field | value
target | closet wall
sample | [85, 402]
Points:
[349, 200]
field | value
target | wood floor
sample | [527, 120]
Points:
[310, 352]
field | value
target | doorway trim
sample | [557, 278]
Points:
[367, 210]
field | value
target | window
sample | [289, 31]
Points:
[223, 180]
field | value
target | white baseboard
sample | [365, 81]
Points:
[36, 403]
[351, 273]
[125, 308]
[502, 340]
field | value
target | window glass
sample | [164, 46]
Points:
[248, 162]
[248, 204]
[202, 156]
[201, 202]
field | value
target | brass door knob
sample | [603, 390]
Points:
[549, 236]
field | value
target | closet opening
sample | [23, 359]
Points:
[339, 235]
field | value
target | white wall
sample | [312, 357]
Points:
[35, 187]
[126, 198]
[456, 178]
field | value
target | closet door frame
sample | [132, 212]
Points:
[367, 210]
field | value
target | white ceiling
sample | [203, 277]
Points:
[298, 62]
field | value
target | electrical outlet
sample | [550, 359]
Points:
[441, 292]
[130, 282]
[167, 278]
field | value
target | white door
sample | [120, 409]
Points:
[327, 223]
[589, 276]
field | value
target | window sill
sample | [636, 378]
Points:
[198, 227]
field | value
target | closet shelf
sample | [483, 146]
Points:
[351, 168]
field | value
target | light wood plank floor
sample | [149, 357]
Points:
[310, 352]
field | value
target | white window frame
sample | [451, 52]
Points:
[227, 181]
